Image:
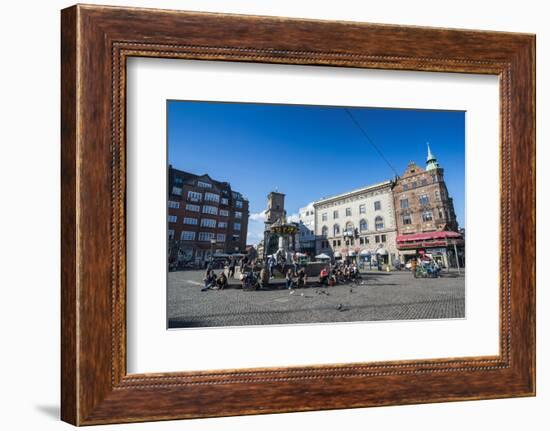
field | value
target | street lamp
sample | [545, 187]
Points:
[348, 236]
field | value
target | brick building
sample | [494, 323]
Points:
[426, 220]
[205, 216]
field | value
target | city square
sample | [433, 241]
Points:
[392, 221]
[376, 296]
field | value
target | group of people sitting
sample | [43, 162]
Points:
[294, 276]
[214, 282]
[339, 273]
[298, 279]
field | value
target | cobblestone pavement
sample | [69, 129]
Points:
[379, 296]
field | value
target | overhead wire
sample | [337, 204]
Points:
[365, 134]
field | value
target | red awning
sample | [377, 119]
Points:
[428, 235]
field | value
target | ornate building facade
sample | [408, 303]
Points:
[205, 216]
[359, 224]
[425, 215]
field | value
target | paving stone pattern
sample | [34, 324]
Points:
[378, 296]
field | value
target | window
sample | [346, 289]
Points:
[225, 201]
[224, 213]
[334, 243]
[172, 219]
[176, 191]
[221, 237]
[238, 214]
[424, 200]
[239, 204]
[204, 185]
[349, 228]
[348, 212]
[377, 239]
[413, 184]
[424, 181]
[441, 214]
[367, 240]
[362, 209]
[324, 231]
[172, 204]
[377, 206]
[208, 222]
[404, 203]
[437, 196]
[335, 214]
[212, 197]
[427, 216]
[324, 217]
[222, 225]
[435, 178]
[405, 187]
[363, 225]
[206, 236]
[191, 207]
[207, 209]
[194, 196]
[339, 243]
[407, 219]
[382, 238]
[361, 241]
[190, 220]
[187, 236]
[336, 229]
[378, 223]
[235, 237]
[170, 234]
[178, 181]
[236, 226]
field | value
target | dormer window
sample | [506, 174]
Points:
[204, 185]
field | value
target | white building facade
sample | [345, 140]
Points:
[306, 235]
[358, 225]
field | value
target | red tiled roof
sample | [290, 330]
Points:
[428, 235]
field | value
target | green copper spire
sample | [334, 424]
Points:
[431, 161]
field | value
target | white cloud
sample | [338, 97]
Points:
[293, 218]
[257, 216]
[255, 228]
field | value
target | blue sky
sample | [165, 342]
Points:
[309, 152]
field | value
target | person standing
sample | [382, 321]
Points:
[231, 272]
[271, 263]
[413, 267]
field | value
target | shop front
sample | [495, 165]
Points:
[441, 246]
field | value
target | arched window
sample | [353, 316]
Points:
[336, 229]
[349, 226]
[379, 223]
[324, 231]
[363, 226]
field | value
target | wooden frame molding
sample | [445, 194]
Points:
[95, 43]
